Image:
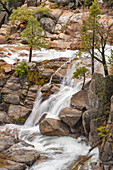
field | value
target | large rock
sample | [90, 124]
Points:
[48, 24]
[27, 157]
[12, 99]
[79, 99]
[53, 127]
[19, 113]
[70, 116]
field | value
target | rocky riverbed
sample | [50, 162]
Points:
[79, 112]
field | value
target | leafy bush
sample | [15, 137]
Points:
[102, 131]
[21, 69]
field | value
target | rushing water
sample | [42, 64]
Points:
[60, 151]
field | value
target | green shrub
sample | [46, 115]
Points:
[53, 5]
[21, 69]
[103, 131]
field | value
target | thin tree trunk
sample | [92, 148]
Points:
[92, 58]
[93, 45]
[83, 82]
[6, 9]
[104, 62]
[30, 54]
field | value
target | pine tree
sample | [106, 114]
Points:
[89, 27]
[33, 35]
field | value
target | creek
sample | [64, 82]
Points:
[57, 153]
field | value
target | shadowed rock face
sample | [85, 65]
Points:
[53, 127]
[79, 99]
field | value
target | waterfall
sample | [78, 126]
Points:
[59, 151]
[57, 101]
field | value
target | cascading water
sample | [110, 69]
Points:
[59, 152]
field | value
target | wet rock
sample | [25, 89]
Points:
[46, 88]
[19, 113]
[78, 100]
[55, 88]
[53, 127]
[11, 165]
[45, 96]
[12, 99]
[41, 118]
[70, 116]
[48, 24]
[27, 157]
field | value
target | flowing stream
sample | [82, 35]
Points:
[59, 152]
